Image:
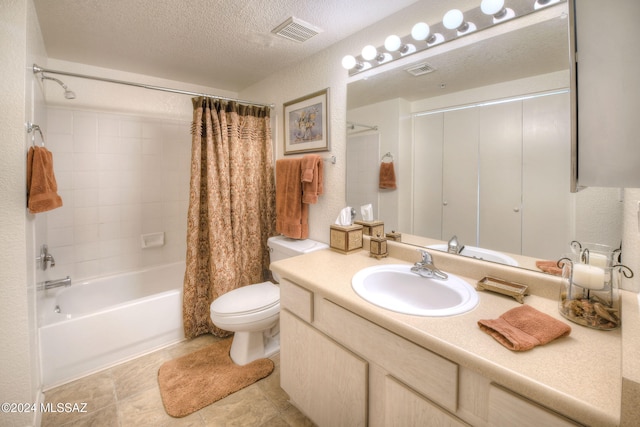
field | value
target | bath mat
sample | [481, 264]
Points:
[191, 382]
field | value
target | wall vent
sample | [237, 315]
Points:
[296, 29]
[420, 69]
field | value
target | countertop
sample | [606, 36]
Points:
[579, 376]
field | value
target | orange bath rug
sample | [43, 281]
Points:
[191, 382]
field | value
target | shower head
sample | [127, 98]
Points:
[67, 93]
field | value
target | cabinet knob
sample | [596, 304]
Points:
[516, 209]
[445, 203]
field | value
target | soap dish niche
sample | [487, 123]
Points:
[152, 240]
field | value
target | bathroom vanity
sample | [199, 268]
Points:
[345, 361]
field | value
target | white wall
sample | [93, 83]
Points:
[20, 44]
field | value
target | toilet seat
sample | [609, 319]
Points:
[249, 303]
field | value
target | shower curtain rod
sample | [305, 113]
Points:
[37, 69]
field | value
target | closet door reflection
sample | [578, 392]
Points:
[500, 176]
[460, 176]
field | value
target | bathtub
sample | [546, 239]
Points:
[98, 323]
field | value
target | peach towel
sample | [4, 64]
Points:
[387, 176]
[291, 214]
[523, 328]
[42, 189]
[550, 267]
[312, 176]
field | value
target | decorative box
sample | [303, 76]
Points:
[395, 236]
[372, 228]
[378, 247]
[346, 238]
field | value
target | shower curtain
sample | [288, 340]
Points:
[231, 206]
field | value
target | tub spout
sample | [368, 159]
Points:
[49, 284]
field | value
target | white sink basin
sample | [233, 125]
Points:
[396, 288]
[480, 253]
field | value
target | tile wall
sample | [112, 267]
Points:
[120, 176]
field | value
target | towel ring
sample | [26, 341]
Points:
[389, 155]
[31, 127]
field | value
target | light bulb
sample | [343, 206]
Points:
[369, 52]
[491, 7]
[420, 31]
[348, 62]
[453, 19]
[392, 43]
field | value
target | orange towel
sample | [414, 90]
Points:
[312, 176]
[42, 189]
[550, 267]
[387, 176]
[291, 214]
[524, 327]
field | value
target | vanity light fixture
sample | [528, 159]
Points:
[453, 26]
[496, 9]
[539, 4]
[454, 20]
[393, 43]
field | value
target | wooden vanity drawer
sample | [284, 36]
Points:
[429, 374]
[297, 300]
[508, 409]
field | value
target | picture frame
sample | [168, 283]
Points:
[306, 123]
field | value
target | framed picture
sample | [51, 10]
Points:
[306, 123]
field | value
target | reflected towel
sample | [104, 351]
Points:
[550, 267]
[42, 189]
[312, 176]
[523, 328]
[291, 214]
[387, 176]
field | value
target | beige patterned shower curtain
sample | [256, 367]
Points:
[231, 206]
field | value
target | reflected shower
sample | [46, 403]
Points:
[67, 93]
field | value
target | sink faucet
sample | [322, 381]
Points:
[425, 268]
[454, 247]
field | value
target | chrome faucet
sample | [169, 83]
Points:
[45, 258]
[49, 284]
[454, 247]
[425, 268]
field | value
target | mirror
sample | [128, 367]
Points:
[526, 59]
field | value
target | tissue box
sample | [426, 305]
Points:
[346, 238]
[372, 228]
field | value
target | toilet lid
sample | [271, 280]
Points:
[246, 300]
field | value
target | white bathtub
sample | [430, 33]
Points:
[108, 320]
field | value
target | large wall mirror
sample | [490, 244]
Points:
[480, 144]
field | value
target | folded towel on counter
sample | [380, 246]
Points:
[312, 176]
[291, 214]
[523, 328]
[550, 267]
[42, 189]
[387, 176]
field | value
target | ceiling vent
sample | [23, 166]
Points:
[420, 69]
[296, 29]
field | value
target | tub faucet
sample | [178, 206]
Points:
[45, 258]
[454, 247]
[425, 268]
[50, 284]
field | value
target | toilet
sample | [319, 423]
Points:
[252, 312]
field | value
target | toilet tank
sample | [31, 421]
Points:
[281, 247]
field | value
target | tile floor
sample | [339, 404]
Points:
[128, 395]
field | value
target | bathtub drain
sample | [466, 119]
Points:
[57, 309]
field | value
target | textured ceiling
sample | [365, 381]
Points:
[225, 44]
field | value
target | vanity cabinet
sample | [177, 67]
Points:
[340, 369]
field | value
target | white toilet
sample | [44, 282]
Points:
[252, 312]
